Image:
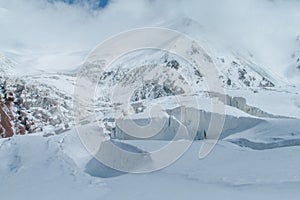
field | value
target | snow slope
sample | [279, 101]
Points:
[7, 66]
[38, 167]
[59, 167]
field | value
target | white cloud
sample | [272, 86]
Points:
[38, 24]
[265, 27]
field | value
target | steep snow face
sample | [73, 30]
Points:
[151, 74]
[234, 62]
[245, 74]
[293, 69]
[237, 70]
[7, 66]
[235, 73]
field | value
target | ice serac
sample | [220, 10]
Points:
[173, 118]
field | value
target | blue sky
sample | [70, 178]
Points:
[94, 3]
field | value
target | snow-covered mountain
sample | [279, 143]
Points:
[240, 75]
[261, 116]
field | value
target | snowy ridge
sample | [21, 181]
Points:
[7, 66]
[293, 68]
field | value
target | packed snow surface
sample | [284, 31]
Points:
[59, 167]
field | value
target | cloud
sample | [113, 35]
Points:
[37, 27]
[38, 24]
[264, 27]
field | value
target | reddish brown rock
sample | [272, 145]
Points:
[5, 123]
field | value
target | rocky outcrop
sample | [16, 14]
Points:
[239, 74]
[28, 108]
[6, 127]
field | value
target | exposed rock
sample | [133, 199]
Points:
[266, 83]
[153, 90]
[27, 108]
[173, 64]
